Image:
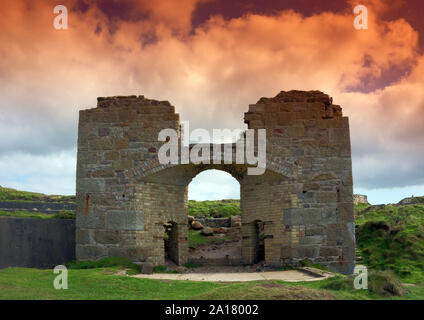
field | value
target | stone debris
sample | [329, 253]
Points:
[207, 231]
[196, 225]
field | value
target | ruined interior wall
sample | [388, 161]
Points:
[264, 202]
[162, 204]
[307, 130]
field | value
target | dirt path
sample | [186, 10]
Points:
[289, 276]
[219, 250]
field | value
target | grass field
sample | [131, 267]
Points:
[103, 283]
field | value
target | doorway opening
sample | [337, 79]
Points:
[214, 219]
[170, 239]
[259, 241]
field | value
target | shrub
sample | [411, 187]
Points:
[64, 214]
[385, 284]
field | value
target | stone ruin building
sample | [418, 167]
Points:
[303, 200]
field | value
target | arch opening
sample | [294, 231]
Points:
[214, 206]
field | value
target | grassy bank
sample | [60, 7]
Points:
[26, 214]
[9, 194]
[216, 208]
[391, 237]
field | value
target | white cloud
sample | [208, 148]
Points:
[51, 173]
[213, 185]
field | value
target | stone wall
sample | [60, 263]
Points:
[215, 222]
[304, 198]
[309, 131]
[36, 243]
[360, 198]
[33, 206]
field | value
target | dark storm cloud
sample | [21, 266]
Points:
[237, 8]
[127, 10]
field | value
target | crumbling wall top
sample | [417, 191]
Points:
[299, 96]
[125, 101]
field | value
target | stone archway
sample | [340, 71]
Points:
[304, 198]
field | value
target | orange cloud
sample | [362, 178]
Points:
[215, 70]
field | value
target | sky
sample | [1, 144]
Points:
[211, 59]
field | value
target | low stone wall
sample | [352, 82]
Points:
[36, 243]
[215, 222]
[36, 206]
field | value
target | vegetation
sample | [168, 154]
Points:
[392, 238]
[308, 263]
[98, 283]
[215, 209]
[361, 207]
[112, 262]
[195, 239]
[91, 281]
[380, 283]
[9, 194]
[27, 214]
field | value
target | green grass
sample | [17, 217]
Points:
[308, 263]
[195, 239]
[26, 214]
[99, 283]
[87, 282]
[360, 207]
[216, 209]
[9, 194]
[392, 238]
[111, 262]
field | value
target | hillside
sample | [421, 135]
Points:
[214, 208]
[9, 194]
[412, 200]
[391, 237]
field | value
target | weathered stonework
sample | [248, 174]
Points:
[304, 199]
[360, 198]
